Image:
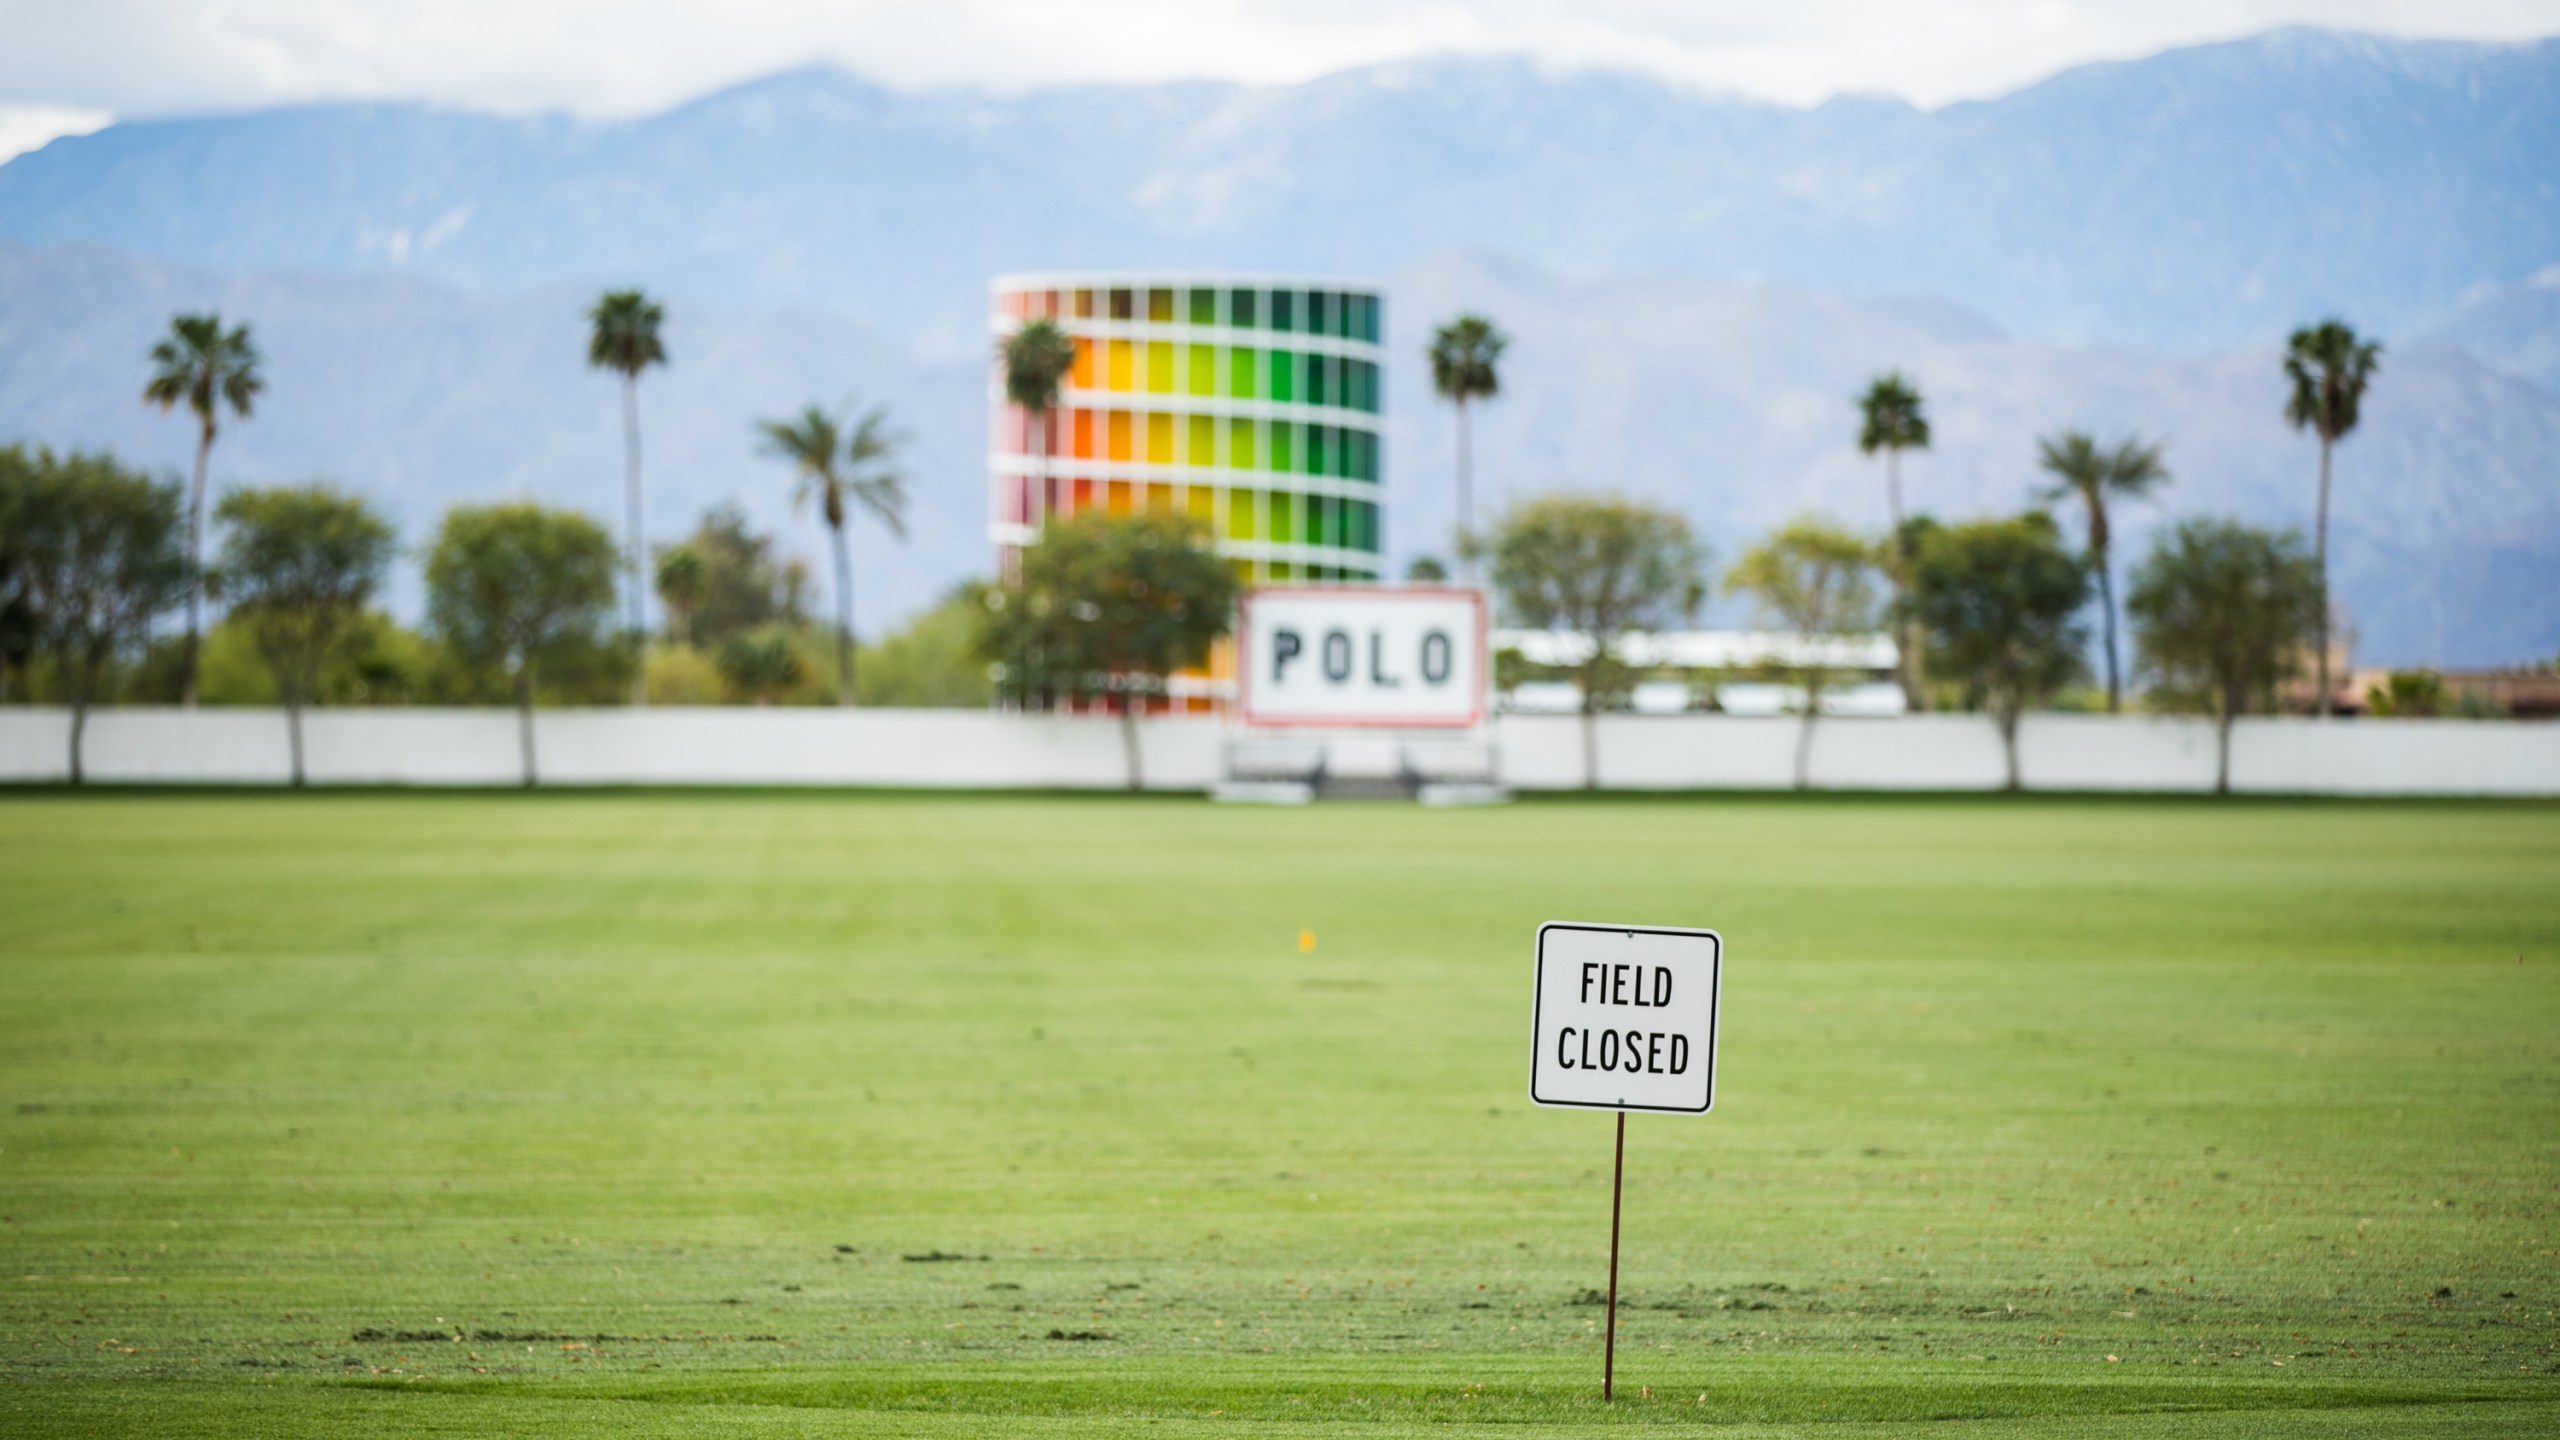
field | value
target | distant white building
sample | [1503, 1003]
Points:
[1718, 669]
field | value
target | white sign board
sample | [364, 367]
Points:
[1357, 655]
[1625, 1018]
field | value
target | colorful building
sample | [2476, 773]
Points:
[1249, 401]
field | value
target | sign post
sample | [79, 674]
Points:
[1623, 1018]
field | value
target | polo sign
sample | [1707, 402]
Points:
[1362, 655]
[1625, 1018]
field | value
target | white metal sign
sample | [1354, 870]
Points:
[1625, 1018]
[1357, 655]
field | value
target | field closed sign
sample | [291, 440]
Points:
[1625, 1018]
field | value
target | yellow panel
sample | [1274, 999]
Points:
[1201, 502]
[1204, 369]
[1119, 435]
[1121, 363]
[1160, 367]
[1119, 501]
[1160, 499]
[1204, 441]
[1160, 439]
[1239, 444]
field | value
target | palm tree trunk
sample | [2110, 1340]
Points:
[79, 724]
[524, 720]
[2107, 602]
[2320, 550]
[844, 619]
[639, 597]
[2007, 715]
[293, 736]
[1129, 741]
[195, 577]
[1906, 657]
[1466, 497]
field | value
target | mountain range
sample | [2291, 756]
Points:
[1696, 286]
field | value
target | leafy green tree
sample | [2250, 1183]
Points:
[1465, 354]
[2096, 476]
[680, 576]
[1817, 581]
[1999, 602]
[510, 585]
[624, 338]
[299, 564]
[96, 551]
[1037, 358]
[933, 660]
[742, 582]
[2330, 368]
[1108, 606]
[2221, 613]
[1891, 419]
[205, 367]
[2407, 695]
[18, 638]
[835, 467]
[762, 663]
[1600, 565]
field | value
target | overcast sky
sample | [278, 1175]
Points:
[69, 65]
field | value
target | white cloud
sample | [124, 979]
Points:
[622, 56]
[32, 127]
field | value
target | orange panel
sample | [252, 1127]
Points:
[1083, 434]
[1159, 499]
[1120, 436]
[1120, 497]
[1083, 379]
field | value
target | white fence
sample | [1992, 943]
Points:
[976, 749]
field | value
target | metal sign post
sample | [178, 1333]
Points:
[1624, 1018]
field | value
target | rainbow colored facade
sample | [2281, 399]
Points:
[1250, 401]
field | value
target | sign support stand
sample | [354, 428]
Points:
[1609, 1346]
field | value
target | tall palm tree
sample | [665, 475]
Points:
[2080, 468]
[2329, 368]
[1464, 354]
[1891, 420]
[1036, 360]
[835, 467]
[207, 367]
[625, 340]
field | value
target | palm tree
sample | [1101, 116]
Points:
[2329, 368]
[1892, 421]
[2129, 471]
[625, 341]
[1036, 360]
[208, 367]
[1463, 355]
[834, 466]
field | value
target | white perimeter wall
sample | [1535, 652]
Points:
[976, 749]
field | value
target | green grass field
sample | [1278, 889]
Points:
[855, 1115]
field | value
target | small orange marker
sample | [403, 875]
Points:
[1306, 941]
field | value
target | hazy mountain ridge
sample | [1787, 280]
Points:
[1730, 401]
[2197, 199]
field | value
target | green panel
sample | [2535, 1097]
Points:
[1241, 505]
[1322, 308]
[1284, 375]
[1327, 526]
[1320, 446]
[1204, 368]
[1284, 309]
[1240, 444]
[1321, 389]
[1242, 309]
[1204, 307]
[1283, 570]
[1204, 441]
[1284, 447]
[1160, 367]
[1241, 374]
[1284, 516]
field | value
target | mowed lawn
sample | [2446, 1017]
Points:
[853, 1114]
